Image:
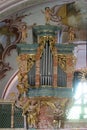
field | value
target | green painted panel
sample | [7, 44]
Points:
[60, 92]
[46, 30]
[27, 48]
[65, 48]
[5, 115]
[62, 77]
[18, 118]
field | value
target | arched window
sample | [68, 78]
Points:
[79, 108]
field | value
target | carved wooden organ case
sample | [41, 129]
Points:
[45, 73]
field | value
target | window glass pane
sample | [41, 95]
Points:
[84, 88]
[85, 116]
[79, 108]
[78, 102]
[85, 110]
[74, 112]
[78, 91]
[85, 99]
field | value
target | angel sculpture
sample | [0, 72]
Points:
[47, 13]
[24, 29]
[71, 34]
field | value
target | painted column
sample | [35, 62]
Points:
[25, 122]
[12, 116]
[37, 77]
[55, 64]
[69, 80]
[69, 71]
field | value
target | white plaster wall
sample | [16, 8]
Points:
[14, 67]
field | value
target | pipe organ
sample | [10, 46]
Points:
[45, 78]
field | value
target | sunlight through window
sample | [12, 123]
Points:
[79, 109]
[74, 113]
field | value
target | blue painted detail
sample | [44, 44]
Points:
[32, 129]
[46, 30]
[65, 48]
[61, 92]
[27, 48]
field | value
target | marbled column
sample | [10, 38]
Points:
[55, 64]
[69, 79]
[45, 121]
[37, 77]
[12, 116]
[25, 122]
[69, 71]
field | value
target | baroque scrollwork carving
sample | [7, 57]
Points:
[55, 109]
[9, 31]
[22, 62]
[52, 44]
[59, 111]
[23, 83]
[42, 41]
[67, 62]
[31, 109]
[25, 62]
[13, 30]
[71, 61]
[30, 61]
[3, 68]
[62, 61]
[22, 76]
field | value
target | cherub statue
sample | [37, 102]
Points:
[23, 33]
[24, 29]
[71, 34]
[47, 13]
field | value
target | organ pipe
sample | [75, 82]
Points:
[46, 66]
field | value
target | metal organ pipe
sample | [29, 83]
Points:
[46, 55]
[46, 66]
[41, 70]
[31, 76]
[44, 63]
[51, 68]
[49, 65]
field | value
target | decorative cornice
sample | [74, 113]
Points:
[61, 92]
[27, 48]
[65, 48]
[46, 30]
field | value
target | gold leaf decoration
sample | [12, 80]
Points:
[62, 61]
